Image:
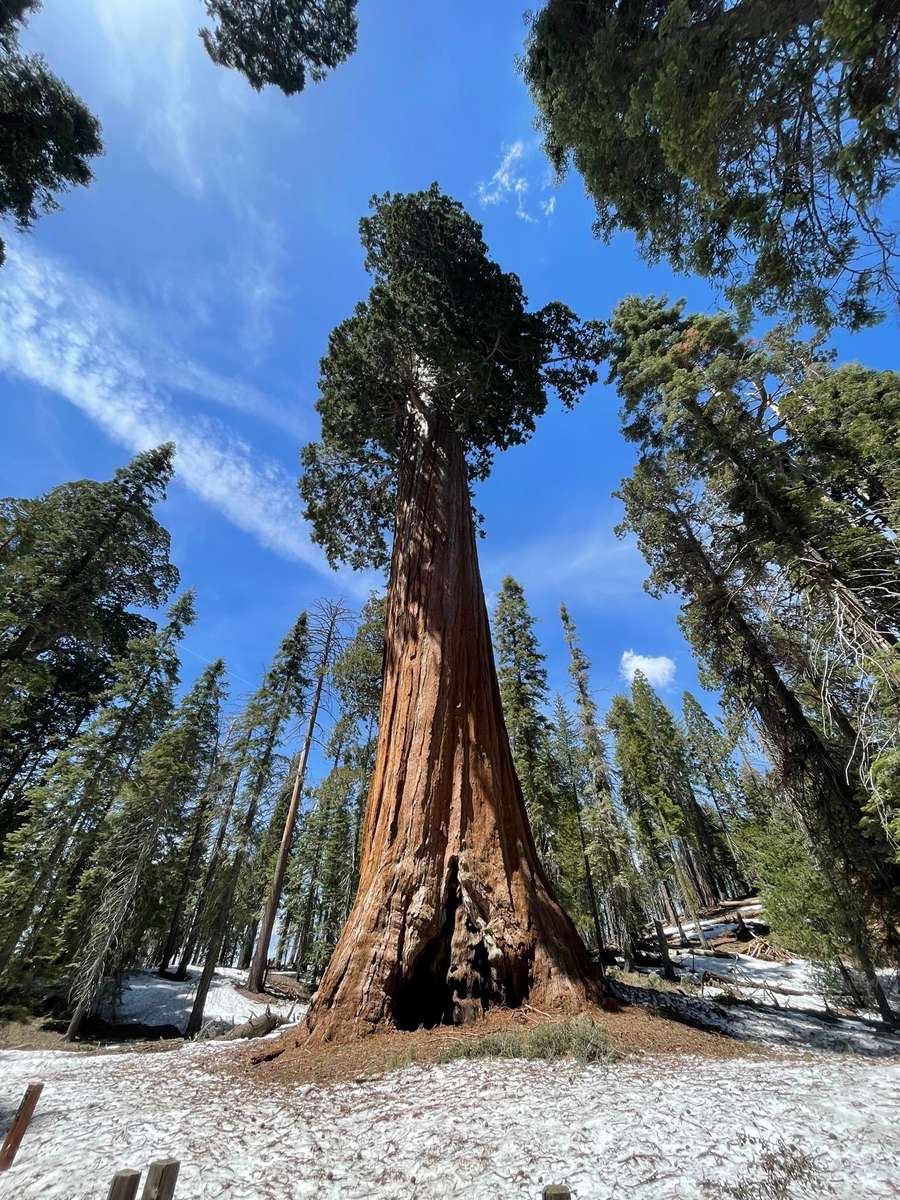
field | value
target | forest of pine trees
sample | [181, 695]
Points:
[402, 813]
[156, 827]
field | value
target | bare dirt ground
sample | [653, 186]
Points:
[631, 1030]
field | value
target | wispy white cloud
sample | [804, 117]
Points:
[590, 566]
[193, 124]
[658, 670]
[58, 331]
[153, 52]
[512, 181]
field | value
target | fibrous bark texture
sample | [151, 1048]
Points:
[454, 913]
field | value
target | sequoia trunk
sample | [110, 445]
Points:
[454, 913]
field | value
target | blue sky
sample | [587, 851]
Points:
[189, 292]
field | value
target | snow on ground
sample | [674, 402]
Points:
[714, 927]
[795, 980]
[484, 1130]
[149, 999]
[777, 1027]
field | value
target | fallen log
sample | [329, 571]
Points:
[256, 1027]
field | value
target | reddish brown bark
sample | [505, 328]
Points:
[453, 913]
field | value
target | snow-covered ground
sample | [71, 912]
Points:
[794, 980]
[148, 999]
[771, 1026]
[714, 927]
[484, 1130]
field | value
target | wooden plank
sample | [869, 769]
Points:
[24, 1113]
[162, 1175]
[124, 1185]
[557, 1191]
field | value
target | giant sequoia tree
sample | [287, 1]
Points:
[752, 142]
[439, 368]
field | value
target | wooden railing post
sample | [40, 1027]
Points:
[162, 1175]
[24, 1113]
[124, 1185]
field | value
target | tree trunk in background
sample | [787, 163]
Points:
[256, 980]
[454, 914]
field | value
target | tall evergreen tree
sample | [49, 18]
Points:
[324, 637]
[576, 843]
[67, 810]
[523, 692]
[110, 912]
[439, 368]
[664, 513]
[696, 390]
[617, 879]
[281, 697]
[47, 134]
[281, 42]
[711, 751]
[754, 142]
[72, 566]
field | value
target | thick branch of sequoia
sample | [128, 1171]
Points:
[454, 913]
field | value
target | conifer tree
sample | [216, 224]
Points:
[641, 798]
[695, 386]
[72, 566]
[664, 513]
[66, 811]
[609, 842]
[573, 784]
[47, 134]
[324, 637]
[697, 390]
[685, 825]
[281, 42]
[523, 692]
[754, 142]
[711, 757]
[439, 368]
[281, 697]
[108, 914]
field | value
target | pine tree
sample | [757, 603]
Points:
[697, 390]
[261, 728]
[523, 692]
[324, 639]
[47, 135]
[66, 811]
[711, 751]
[572, 778]
[72, 565]
[754, 142]
[687, 828]
[665, 514]
[109, 913]
[439, 368]
[641, 798]
[608, 839]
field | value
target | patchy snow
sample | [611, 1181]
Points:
[779, 1027]
[795, 980]
[482, 1130]
[149, 999]
[715, 927]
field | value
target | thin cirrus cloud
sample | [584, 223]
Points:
[62, 334]
[658, 670]
[192, 123]
[512, 182]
